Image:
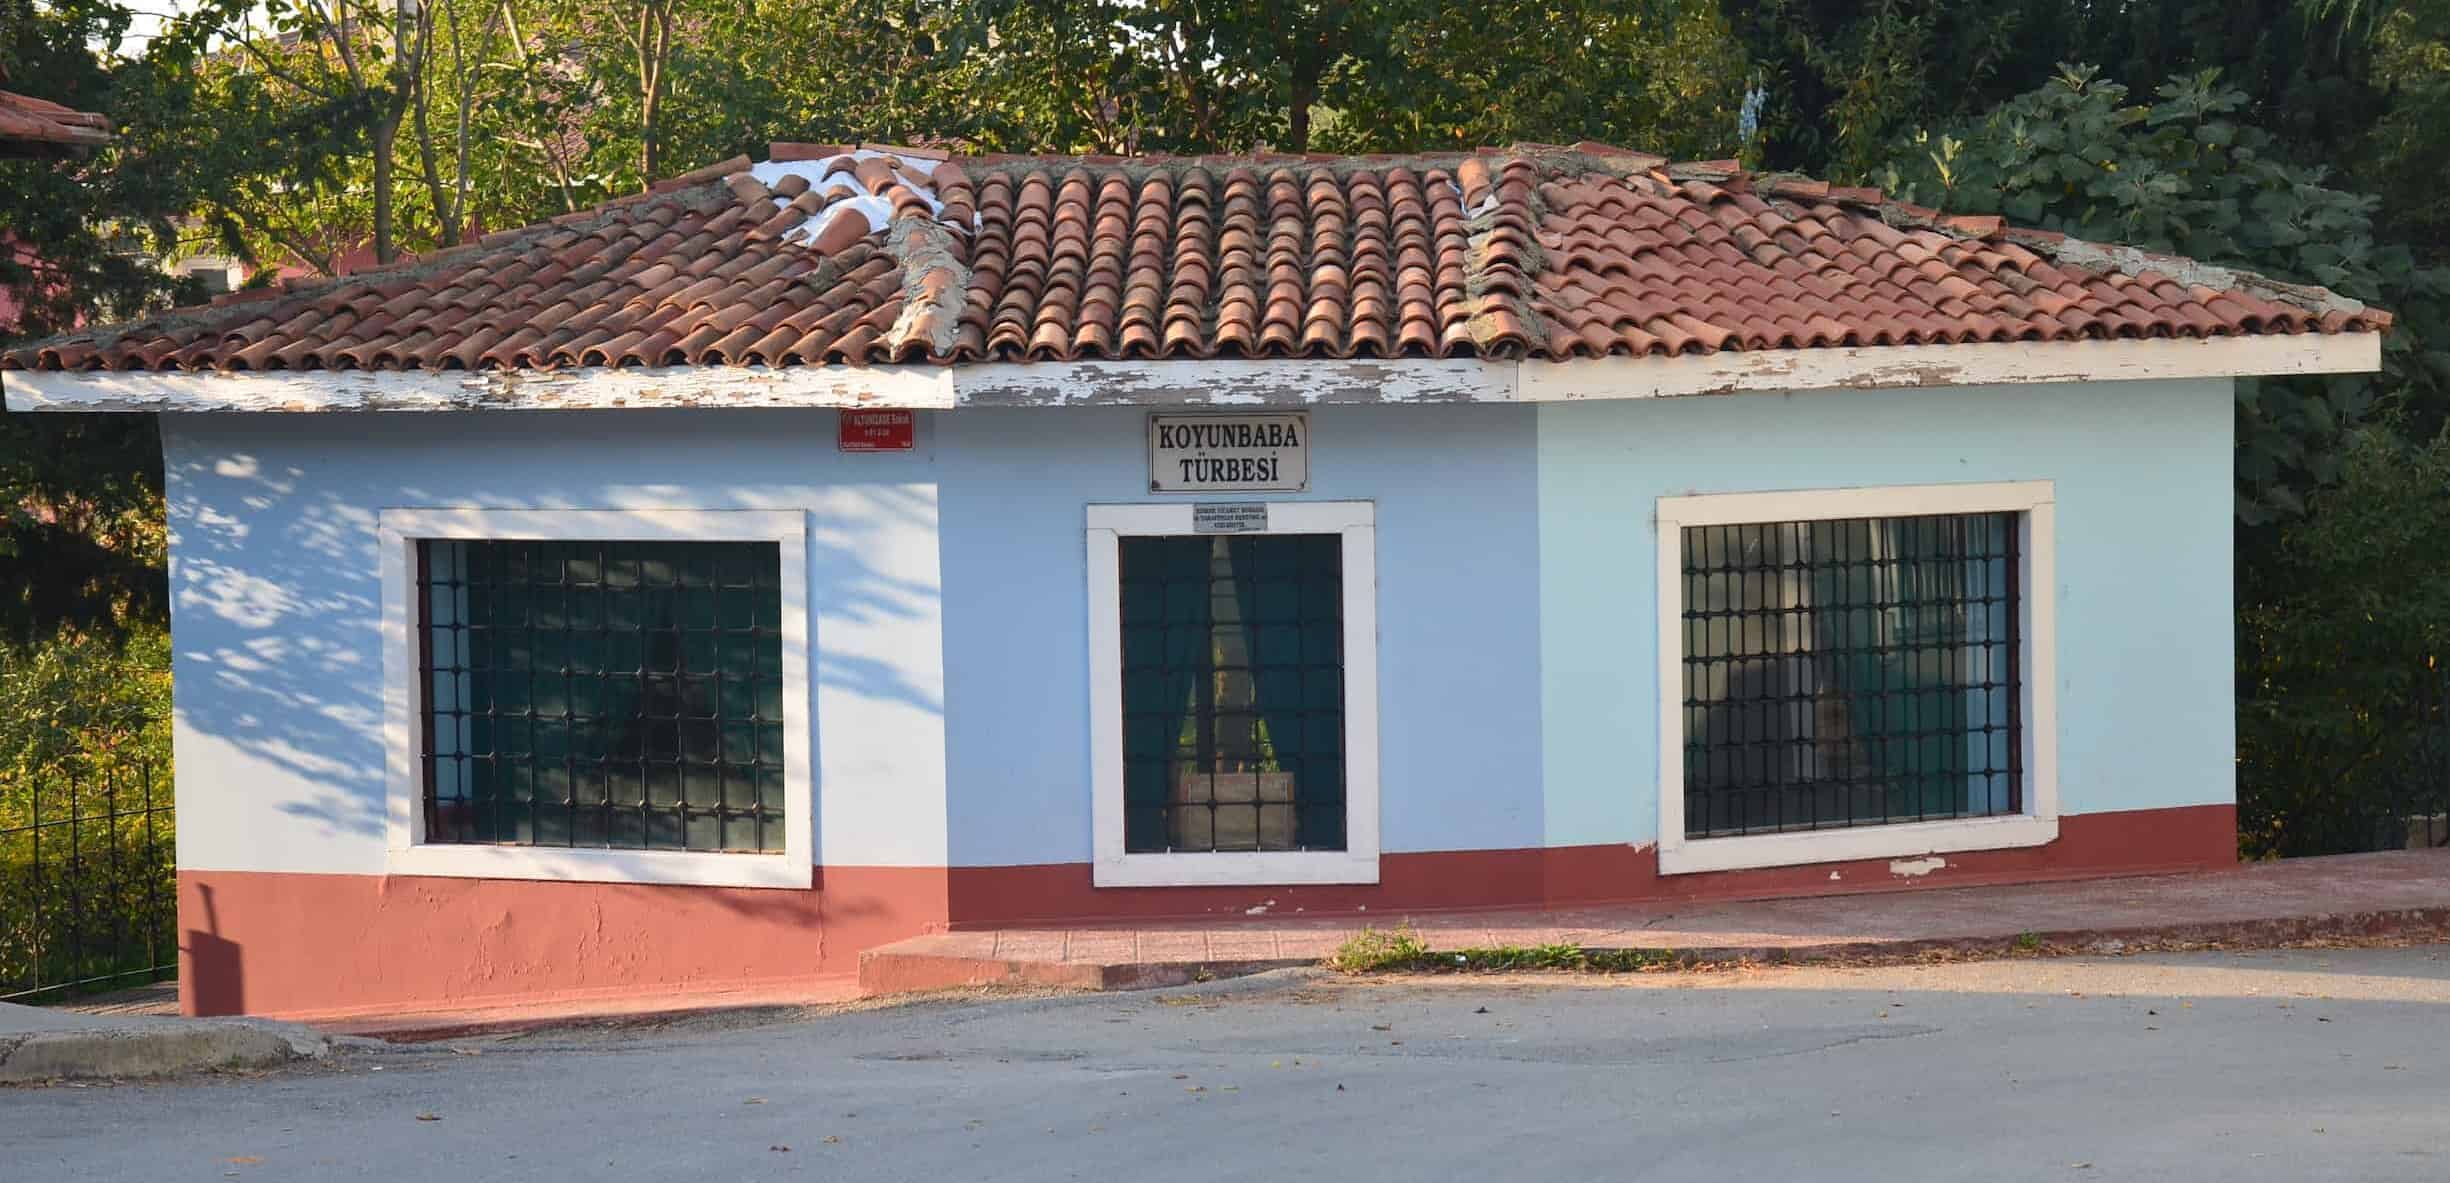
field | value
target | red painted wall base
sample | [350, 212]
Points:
[290, 944]
[2089, 845]
[327, 945]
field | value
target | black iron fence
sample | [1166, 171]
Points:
[2423, 815]
[88, 886]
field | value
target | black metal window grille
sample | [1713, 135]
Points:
[1233, 692]
[1851, 672]
[623, 695]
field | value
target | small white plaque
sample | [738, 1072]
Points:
[1267, 453]
[1236, 517]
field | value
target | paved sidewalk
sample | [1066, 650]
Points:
[455, 1021]
[44, 1043]
[2392, 893]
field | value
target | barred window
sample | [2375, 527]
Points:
[1851, 672]
[614, 695]
[1233, 692]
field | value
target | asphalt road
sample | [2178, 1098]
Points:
[2299, 1065]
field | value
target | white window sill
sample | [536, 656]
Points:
[1252, 869]
[673, 867]
[1904, 840]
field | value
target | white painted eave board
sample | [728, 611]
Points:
[1200, 383]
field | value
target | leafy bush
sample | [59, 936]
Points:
[2344, 644]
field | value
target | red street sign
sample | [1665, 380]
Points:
[874, 431]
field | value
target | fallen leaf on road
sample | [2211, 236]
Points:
[1382, 1026]
[779, 1148]
[429, 1117]
[244, 1160]
[754, 1101]
[833, 1139]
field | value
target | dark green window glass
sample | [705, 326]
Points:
[624, 695]
[1851, 672]
[1233, 692]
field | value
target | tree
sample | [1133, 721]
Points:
[2183, 175]
[80, 496]
[1657, 75]
[2401, 158]
[355, 68]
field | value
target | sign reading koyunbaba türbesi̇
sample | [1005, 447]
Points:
[1229, 453]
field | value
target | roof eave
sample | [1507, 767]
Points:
[1272, 382]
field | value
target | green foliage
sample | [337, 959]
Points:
[2184, 175]
[86, 872]
[68, 224]
[1373, 949]
[2340, 620]
[81, 532]
[1402, 950]
[2401, 158]
[80, 497]
[78, 708]
[1661, 75]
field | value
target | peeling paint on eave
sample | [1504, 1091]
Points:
[1225, 383]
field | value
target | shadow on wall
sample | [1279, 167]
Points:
[278, 604]
[213, 974]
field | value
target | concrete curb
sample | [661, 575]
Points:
[169, 1048]
[886, 972]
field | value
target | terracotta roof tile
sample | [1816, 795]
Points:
[26, 120]
[825, 254]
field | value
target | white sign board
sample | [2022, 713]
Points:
[1232, 517]
[1229, 453]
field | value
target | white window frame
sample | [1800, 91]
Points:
[2037, 825]
[1356, 522]
[399, 531]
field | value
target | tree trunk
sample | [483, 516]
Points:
[1297, 119]
[654, 46]
[386, 128]
[446, 222]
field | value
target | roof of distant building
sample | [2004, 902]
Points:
[25, 119]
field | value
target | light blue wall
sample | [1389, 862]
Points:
[1458, 564]
[1516, 601]
[2145, 669]
[276, 604]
